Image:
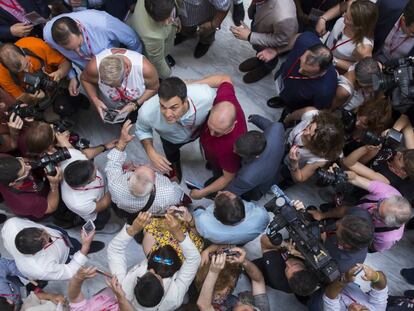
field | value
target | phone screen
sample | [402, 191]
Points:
[88, 227]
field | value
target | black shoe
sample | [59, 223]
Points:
[64, 224]
[170, 60]
[201, 49]
[3, 218]
[238, 14]
[256, 74]
[179, 38]
[276, 102]
[249, 64]
[408, 275]
[409, 293]
[176, 171]
[96, 246]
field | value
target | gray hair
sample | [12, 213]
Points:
[112, 70]
[399, 211]
[364, 70]
[140, 185]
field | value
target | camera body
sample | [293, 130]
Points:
[74, 139]
[304, 231]
[336, 178]
[50, 161]
[391, 140]
[38, 81]
[29, 111]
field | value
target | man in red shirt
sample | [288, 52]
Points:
[218, 135]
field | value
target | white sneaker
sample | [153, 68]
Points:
[110, 228]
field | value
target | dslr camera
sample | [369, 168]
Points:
[392, 140]
[397, 74]
[38, 81]
[50, 161]
[29, 111]
[305, 233]
[74, 138]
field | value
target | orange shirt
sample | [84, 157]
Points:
[51, 58]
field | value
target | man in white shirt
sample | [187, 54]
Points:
[144, 287]
[42, 253]
[343, 294]
[84, 189]
[176, 114]
[131, 188]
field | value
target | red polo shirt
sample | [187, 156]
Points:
[219, 150]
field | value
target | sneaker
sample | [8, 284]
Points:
[408, 275]
[409, 294]
[201, 49]
[170, 60]
[276, 102]
[96, 246]
[110, 228]
[179, 38]
[238, 14]
[249, 64]
[256, 74]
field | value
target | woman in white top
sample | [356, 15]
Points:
[316, 140]
[351, 39]
[125, 80]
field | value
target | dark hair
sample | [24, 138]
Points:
[62, 28]
[303, 282]
[409, 13]
[228, 211]
[29, 240]
[321, 56]
[163, 270]
[357, 232]
[378, 113]
[39, 137]
[9, 169]
[172, 87]
[78, 173]
[364, 16]
[4, 305]
[365, 68]
[328, 140]
[149, 290]
[159, 10]
[251, 144]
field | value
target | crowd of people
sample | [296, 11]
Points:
[344, 92]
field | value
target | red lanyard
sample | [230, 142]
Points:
[393, 49]
[340, 44]
[195, 117]
[88, 43]
[91, 188]
[122, 92]
[289, 76]
[353, 300]
[14, 6]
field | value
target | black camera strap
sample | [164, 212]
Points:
[377, 229]
[150, 200]
[27, 52]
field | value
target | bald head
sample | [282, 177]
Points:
[142, 181]
[12, 57]
[222, 119]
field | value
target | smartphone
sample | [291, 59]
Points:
[88, 227]
[193, 185]
[158, 215]
[104, 273]
[226, 251]
[35, 19]
[112, 116]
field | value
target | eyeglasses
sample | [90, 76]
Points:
[165, 261]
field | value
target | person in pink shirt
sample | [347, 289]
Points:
[111, 298]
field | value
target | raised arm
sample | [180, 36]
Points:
[214, 80]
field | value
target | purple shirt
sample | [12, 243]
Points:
[380, 191]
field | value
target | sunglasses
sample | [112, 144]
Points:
[165, 261]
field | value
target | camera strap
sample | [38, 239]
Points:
[150, 200]
[27, 52]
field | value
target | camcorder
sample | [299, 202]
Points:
[305, 233]
[50, 161]
[397, 75]
[39, 81]
[74, 139]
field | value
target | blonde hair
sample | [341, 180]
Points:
[112, 70]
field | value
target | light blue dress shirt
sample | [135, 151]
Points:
[253, 225]
[102, 31]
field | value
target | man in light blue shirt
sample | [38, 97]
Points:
[81, 35]
[230, 220]
[176, 114]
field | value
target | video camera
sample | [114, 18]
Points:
[74, 138]
[305, 233]
[39, 81]
[50, 161]
[397, 73]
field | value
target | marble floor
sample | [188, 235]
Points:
[223, 57]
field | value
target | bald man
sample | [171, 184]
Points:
[224, 126]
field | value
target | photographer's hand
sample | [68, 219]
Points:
[174, 227]
[217, 263]
[21, 29]
[73, 87]
[100, 107]
[62, 139]
[38, 95]
[298, 205]
[55, 180]
[240, 259]
[15, 124]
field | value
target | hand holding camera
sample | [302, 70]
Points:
[54, 180]
[217, 263]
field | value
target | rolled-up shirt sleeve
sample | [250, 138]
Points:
[143, 129]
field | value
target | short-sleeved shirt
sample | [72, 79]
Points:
[380, 191]
[104, 300]
[82, 200]
[301, 92]
[52, 59]
[219, 150]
